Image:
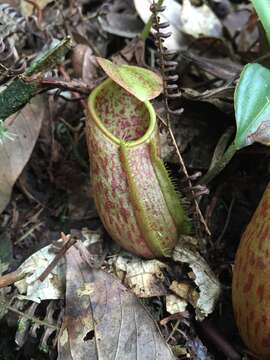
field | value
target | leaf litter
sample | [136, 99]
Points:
[104, 320]
[144, 277]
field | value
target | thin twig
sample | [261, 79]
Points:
[74, 85]
[173, 330]
[68, 242]
[11, 278]
[38, 8]
[28, 233]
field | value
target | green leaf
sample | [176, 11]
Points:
[252, 113]
[262, 8]
[252, 106]
[50, 58]
[21, 89]
[141, 83]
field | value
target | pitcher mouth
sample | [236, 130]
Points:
[92, 107]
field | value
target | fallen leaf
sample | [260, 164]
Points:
[205, 279]
[183, 20]
[85, 64]
[24, 126]
[5, 251]
[132, 53]
[3, 303]
[181, 352]
[221, 97]
[222, 68]
[194, 21]
[27, 9]
[24, 326]
[127, 26]
[141, 83]
[242, 27]
[104, 320]
[252, 106]
[235, 21]
[185, 291]
[199, 351]
[13, 3]
[52, 288]
[121, 19]
[175, 305]
[144, 277]
[170, 15]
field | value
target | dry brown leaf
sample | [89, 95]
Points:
[52, 288]
[14, 154]
[27, 9]
[183, 20]
[144, 277]
[85, 64]
[185, 291]
[208, 284]
[103, 320]
[127, 25]
[194, 21]
[170, 15]
[175, 305]
[132, 53]
[13, 3]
